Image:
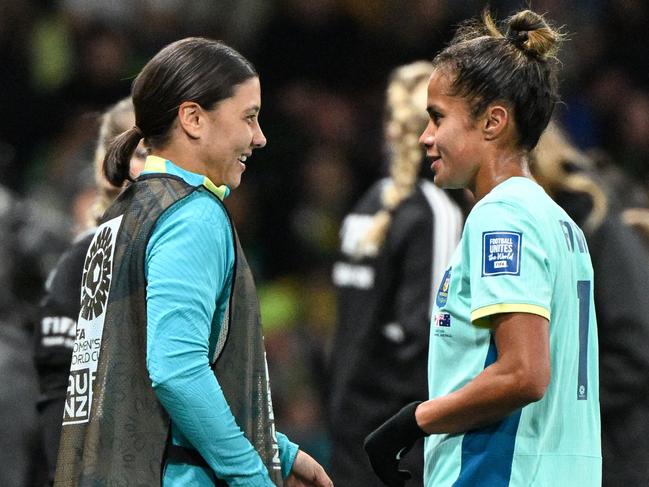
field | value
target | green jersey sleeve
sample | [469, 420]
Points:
[509, 262]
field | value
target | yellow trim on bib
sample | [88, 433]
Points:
[155, 164]
[478, 316]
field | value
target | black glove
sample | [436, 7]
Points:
[388, 443]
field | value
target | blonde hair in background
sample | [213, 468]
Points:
[116, 120]
[638, 218]
[406, 119]
[549, 166]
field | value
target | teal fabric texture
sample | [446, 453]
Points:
[189, 269]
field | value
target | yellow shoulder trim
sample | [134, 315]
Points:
[486, 311]
[220, 191]
[155, 164]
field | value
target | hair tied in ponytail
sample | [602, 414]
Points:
[138, 131]
[517, 37]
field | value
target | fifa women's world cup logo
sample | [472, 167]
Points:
[95, 282]
[95, 288]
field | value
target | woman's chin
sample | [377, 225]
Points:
[234, 182]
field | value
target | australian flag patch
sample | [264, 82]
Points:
[501, 253]
[443, 319]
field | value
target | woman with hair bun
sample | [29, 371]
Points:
[513, 357]
[168, 382]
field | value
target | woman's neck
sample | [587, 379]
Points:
[181, 156]
[498, 169]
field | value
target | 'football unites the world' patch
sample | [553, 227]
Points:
[501, 253]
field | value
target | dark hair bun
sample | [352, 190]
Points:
[531, 33]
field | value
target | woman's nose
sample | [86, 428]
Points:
[258, 139]
[427, 138]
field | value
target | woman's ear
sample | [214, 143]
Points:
[189, 118]
[496, 121]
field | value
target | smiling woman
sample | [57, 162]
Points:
[513, 358]
[233, 131]
[216, 142]
[456, 135]
[180, 392]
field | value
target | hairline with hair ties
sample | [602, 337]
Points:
[488, 66]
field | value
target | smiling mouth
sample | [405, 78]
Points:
[242, 160]
[433, 167]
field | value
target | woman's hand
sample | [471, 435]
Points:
[306, 472]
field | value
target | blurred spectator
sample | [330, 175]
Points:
[33, 237]
[16, 97]
[325, 191]
[298, 315]
[395, 246]
[55, 331]
[621, 265]
[633, 152]
[308, 39]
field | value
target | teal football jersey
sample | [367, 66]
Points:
[520, 252]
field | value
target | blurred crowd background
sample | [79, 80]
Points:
[323, 66]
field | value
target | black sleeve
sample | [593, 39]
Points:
[56, 328]
[54, 340]
[411, 247]
[621, 265]
[409, 254]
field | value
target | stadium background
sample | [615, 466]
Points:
[324, 66]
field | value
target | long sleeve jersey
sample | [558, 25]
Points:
[189, 266]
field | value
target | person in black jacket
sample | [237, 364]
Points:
[33, 236]
[55, 332]
[395, 245]
[621, 267]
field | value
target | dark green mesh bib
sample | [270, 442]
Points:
[122, 440]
